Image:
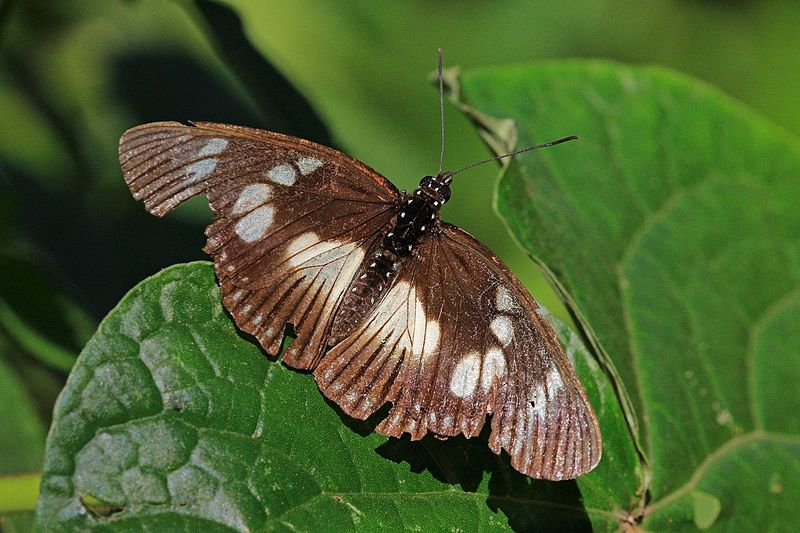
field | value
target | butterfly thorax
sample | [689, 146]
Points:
[417, 216]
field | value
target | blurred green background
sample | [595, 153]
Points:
[75, 74]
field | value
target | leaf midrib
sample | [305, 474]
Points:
[740, 440]
[450, 492]
[787, 299]
[633, 246]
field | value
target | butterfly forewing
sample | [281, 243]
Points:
[294, 220]
[455, 338]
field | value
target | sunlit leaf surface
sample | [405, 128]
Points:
[674, 227]
[171, 419]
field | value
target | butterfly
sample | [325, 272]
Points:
[388, 302]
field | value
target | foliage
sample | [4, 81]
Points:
[170, 417]
[672, 229]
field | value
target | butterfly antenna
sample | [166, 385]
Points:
[515, 152]
[441, 109]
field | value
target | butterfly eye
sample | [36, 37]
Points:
[437, 187]
[444, 192]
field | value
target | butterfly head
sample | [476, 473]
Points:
[437, 187]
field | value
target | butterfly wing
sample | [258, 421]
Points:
[458, 337]
[294, 220]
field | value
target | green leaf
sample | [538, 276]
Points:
[616, 481]
[749, 485]
[673, 231]
[170, 418]
[22, 444]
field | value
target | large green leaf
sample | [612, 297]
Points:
[171, 419]
[673, 229]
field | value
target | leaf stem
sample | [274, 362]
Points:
[19, 492]
[41, 348]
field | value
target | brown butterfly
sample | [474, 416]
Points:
[388, 303]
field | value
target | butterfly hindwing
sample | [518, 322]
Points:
[293, 219]
[455, 338]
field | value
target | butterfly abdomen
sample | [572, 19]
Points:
[375, 275]
[417, 216]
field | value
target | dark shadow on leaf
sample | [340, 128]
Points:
[529, 504]
[535, 504]
[457, 460]
[361, 427]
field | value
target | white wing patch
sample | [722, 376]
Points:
[327, 266]
[301, 243]
[402, 314]
[251, 197]
[503, 329]
[255, 224]
[504, 300]
[308, 250]
[554, 382]
[199, 170]
[545, 394]
[539, 401]
[494, 366]
[213, 147]
[282, 175]
[465, 377]
[307, 165]
[426, 332]
[326, 260]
